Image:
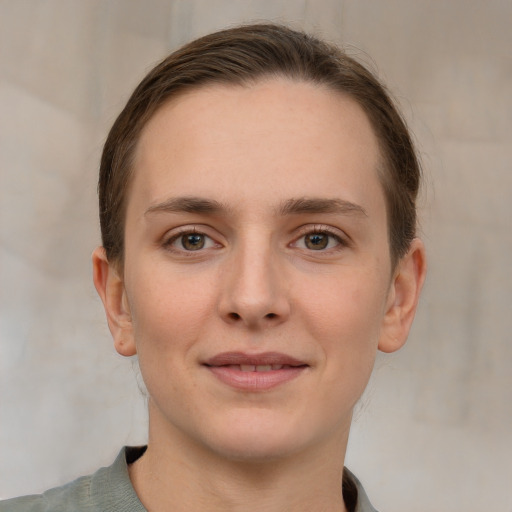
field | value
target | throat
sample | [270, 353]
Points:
[233, 486]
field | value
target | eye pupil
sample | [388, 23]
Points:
[317, 241]
[192, 242]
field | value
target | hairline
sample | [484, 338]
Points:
[383, 166]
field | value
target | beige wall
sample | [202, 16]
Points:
[433, 432]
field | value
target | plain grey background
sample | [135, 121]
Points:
[433, 432]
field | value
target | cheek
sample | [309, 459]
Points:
[345, 317]
[168, 310]
[349, 306]
[169, 316]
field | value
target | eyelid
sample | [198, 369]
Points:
[342, 238]
[174, 234]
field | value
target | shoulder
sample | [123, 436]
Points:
[354, 494]
[107, 490]
[72, 496]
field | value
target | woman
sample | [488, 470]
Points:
[257, 205]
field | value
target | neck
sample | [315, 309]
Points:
[177, 474]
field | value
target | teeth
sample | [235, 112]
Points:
[258, 368]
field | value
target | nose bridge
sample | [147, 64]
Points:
[254, 293]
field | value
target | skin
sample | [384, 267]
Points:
[257, 285]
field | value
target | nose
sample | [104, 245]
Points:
[254, 292]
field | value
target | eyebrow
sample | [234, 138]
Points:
[320, 205]
[294, 206]
[187, 204]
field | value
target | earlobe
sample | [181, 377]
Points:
[403, 298]
[110, 287]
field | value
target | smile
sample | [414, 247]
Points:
[255, 372]
[259, 367]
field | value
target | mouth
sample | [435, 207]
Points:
[258, 367]
[255, 372]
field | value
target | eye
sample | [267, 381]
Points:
[190, 241]
[316, 241]
[319, 240]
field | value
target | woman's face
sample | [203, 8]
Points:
[257, 276]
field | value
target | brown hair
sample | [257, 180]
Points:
[244, 55]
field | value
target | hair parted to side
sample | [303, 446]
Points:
[241, 56]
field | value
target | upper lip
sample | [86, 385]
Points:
[265, 358]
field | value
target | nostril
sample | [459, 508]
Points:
[234, 316]
[270, 315]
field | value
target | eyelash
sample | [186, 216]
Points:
[341, 241]
[182, 232]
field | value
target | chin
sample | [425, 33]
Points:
[251, 449]
[258, 439]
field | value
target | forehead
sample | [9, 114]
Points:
[294, 135]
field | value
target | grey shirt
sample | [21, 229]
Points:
[110, 490]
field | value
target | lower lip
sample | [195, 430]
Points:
[255, 381]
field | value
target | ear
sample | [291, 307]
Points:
[110, 287]
[403, 298]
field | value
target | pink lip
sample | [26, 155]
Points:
[264, 358]
[223, 366]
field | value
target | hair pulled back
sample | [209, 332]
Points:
[241, 56]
